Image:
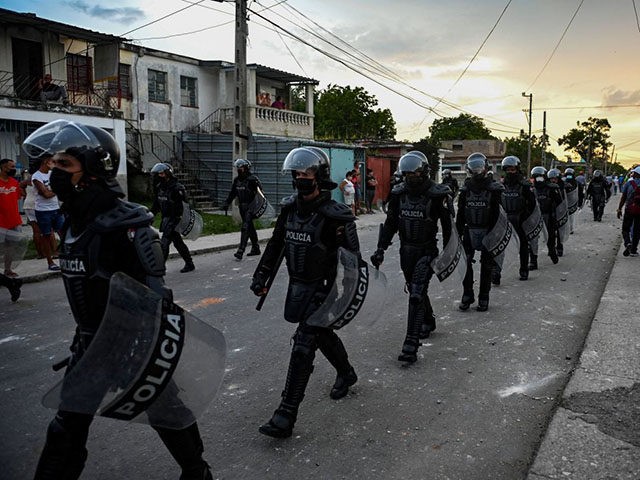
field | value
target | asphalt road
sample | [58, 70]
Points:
[474, 406]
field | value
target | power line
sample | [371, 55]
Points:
[163, 17]
[475, 54]
[595, 107]
[636, 12]
[555, 48]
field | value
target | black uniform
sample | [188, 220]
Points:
[309, 233]
[104, 235]
[414, 215]
[599, 192]
[169, 197]
[452, 183]
[519, 202]
[245, 187]
[478, 211]
[549, 197]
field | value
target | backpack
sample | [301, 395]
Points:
[633, 207]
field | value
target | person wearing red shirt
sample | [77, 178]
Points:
[10, 219]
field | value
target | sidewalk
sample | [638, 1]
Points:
[36, 270]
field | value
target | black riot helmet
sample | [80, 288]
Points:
[539, 173]
[554, 173]
[162, 168]
[510, 161]
[241, 162]
[569, 171]
[312, 159]
[446, 173]
[477, 164]
[597, 173]
[96, 149]
[414, 161]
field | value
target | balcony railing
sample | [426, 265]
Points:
[24, 90]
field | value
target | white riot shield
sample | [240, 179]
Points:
[13, 246]
[562, 220]
[533, 224]
[149, 362]
[358, 288]
[191, 223]
[262, 210]
[502, 242]
[451, 259]
[572, 201]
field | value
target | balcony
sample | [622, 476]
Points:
[263, 121]
[23, 92]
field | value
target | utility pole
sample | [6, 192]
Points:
[529, 143]
[240, 112]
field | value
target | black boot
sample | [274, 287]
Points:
[467, 299]
[300, 367]
[14, 288]
[412, 340]
[255, 250]
[428, 325]
[524, 274]
[496, 276]
[483, 303]
[342, 384]
[332, 347]
[553, 255]
[186, 448]
[533, 262]
[188, 267]
[239, 254]
[559, 249]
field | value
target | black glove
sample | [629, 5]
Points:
[377, 258]
[258, 285]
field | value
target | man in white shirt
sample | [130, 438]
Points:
[48, 214]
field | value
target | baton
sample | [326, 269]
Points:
[270, 280]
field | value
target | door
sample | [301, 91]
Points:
[27, 68]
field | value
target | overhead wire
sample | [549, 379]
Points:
[636, 12]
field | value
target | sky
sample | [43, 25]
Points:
[579, 58]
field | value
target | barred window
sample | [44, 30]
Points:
[122, 86]
[79, 73]
[188, 91]
[157, 86]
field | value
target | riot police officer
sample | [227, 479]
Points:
[478, 211]
[414, 209]
[598, 191]
[519, 202]
[549, 197]
[103, 235]
[170, 195]
[555, 176]
[308, 232]
[245, 186]
[572, 189]
[450, 181]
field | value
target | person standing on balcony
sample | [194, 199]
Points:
[52, 92]
[245, 186]
[279, 103]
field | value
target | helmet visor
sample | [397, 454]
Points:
[39, 142]
[301, 159]
[410, 163]
[476, 165]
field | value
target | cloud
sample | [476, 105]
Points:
[122, 15]
[614, 96]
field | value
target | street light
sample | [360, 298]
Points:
[529, 141]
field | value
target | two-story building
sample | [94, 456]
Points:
[158, 105]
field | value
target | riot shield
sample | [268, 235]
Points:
[358, 288]
[262, 210]
[562, 220]
[149, 362]
[191, 223]
[13, 246]
[533, 224]
[572, 201]
[502, 242]
[451, 259]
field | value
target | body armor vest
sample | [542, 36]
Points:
[245, 194]
[305, 253]
[416, 227]
[476, 208]
[570, 185]
[169, 208]
[512, 200]
[597, 189]
[543, 194]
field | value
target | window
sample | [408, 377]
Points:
[157, 86]
[122, 86]
[79, 73]
[457, 147]
[188, 91]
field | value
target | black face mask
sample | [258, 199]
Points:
[305, 186]
[60, 183]
[414, 182]
[12, 172]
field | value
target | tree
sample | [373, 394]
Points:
[590, 141]
[462, 127]
[519, 146]
[345, 113]
[427, 147]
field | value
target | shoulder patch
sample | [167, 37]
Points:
[124, 215]
[399, 188]
[290, 200]
[337, 211]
